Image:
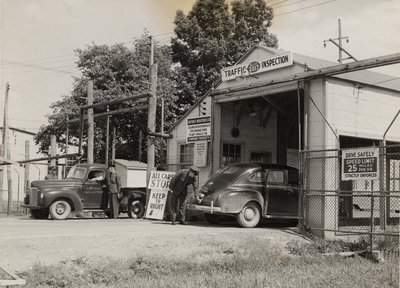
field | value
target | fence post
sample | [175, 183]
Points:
[372, 216]
[382, 185]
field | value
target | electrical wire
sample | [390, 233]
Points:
[36, 66]
[283, 6]
[304, 8]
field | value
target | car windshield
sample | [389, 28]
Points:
[76, 172]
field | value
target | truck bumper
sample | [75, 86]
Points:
[33, 207]
[206, 209]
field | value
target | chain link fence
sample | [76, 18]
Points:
[352, 210]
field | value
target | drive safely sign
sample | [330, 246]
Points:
[360, 164]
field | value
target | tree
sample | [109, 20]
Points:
[210, 38]
[116, 72]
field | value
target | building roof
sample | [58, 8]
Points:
[131, 164]
[312, 63]
[362, 76]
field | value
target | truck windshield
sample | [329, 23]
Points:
[76, 172]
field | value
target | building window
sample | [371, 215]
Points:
[260, 157]
[186, 155]
[231, 153]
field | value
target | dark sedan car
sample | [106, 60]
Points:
[250, 191]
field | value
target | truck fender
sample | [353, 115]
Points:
[72, 197]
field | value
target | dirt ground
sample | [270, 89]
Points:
[25, 241]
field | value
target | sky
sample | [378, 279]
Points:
[38, 39]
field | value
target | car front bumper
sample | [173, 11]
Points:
[202, 208]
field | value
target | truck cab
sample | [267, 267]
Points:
[84, 189]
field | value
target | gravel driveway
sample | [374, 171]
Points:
[25, 241]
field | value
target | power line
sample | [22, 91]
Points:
[37, 66]
[51, 57]
[39, 79]
[311, 6]
[282, 6]
[277, 3]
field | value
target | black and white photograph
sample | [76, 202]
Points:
[200, 143]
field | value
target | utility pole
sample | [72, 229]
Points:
[6, 151]
[151, 120]
[27, 166]
[114, 135]
[339, 44]
[107, 135]
[140, 145]
[66, 149]
[90, 123]
[53, 150]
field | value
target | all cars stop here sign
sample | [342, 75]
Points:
[360, 164]
[159, 186]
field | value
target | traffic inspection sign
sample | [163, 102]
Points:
[360, 164]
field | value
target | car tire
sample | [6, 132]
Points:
[212, 218]
[40, 214]
[60, 210]
[249, 216]
[135, 209]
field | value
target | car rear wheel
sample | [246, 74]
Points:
[135, 209]
[249, 216]
[40, 214]
[60, 210]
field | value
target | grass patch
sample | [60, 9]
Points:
[222, 264]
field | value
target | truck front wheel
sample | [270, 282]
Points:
[60, 210]
[40, 214]
[135, 209]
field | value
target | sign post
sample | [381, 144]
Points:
[158, 186]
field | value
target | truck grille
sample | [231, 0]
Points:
[33, 196]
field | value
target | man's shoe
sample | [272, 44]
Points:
[183, 222]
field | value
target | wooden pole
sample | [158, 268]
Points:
[66, 149]
[6, 145]
[151, 120]
[53, 150]
[90, 124]
[107, 135]
[114, 135]
[27, 166]
[140, 156]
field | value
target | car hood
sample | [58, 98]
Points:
[62, 183]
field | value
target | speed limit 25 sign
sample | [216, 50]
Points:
[360, 164]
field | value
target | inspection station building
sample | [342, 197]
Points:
[249, 118]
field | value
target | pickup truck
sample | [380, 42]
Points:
[85, 189]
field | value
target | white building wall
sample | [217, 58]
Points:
[362, 111]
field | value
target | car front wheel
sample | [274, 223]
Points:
[249, 216]
[60, 210]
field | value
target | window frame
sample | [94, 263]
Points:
[234, 154]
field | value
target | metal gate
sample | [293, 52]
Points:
[337, 208]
